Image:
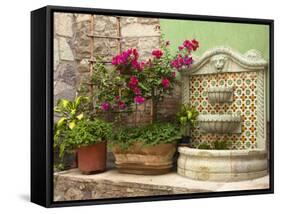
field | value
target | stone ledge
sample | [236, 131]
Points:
[71, 185]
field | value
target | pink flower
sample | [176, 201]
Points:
[138, 66]
[117, 97]
[181, 47]
[121, 105]
[137, 91]
[133, 82]
[187, 60]
[195, 44]
[188, 45]
[122, 58]
[105, 106]
[135, 53]
[148, 63]
[139, 99]
[157, 53]
[165, 83]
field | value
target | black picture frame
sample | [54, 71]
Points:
[42, 104]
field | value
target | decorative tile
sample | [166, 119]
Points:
[245, 100]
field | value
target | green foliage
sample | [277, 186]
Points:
[69, 113]
[152, 134]
[204, 146]
[217, 145]
[187, 115]
[86, 133]
[187, 118]
[108, 83]
[221, 145]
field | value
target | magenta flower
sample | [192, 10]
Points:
[188, 45]
[157, 53]
[135, 53]
[187, 61]
[139, 99]
[138, 66]
[165, 83]
[137, 91]
[195, 44]
[123, 58]
[181, 47]
[133, 82]
[105, 106]
[121, 105]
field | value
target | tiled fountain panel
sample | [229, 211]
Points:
[244, 104]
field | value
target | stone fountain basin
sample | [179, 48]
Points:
[219, 123]
[220, 94]
[222, 165]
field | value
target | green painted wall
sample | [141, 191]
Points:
[241, 37]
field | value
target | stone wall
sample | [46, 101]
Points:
[72, 46]
[72, 54]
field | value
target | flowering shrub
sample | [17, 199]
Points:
[132, 81]
[183, 58]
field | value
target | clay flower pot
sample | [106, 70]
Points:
[145, 159]
[92, 159]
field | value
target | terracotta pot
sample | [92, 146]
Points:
[145, 160]
[92, 159]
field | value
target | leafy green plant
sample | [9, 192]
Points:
[149, 135]
[204, 146]
[85, 133]
[69, 113]
[217, 145]
[187, 118]
[221, 145]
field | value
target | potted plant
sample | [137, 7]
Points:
[88, 138]
[67, 114]
[187, 120]
[146, 149]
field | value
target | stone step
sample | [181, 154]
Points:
[72, 185]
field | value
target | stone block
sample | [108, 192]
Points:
[137, 29]
[63, 24]
[65, 50]
[56, 53]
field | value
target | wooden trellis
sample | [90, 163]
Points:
[92, 35]
[118, 39]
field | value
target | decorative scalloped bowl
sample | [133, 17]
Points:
[220, 94]
[219, 123]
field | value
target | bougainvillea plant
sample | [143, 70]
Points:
[183, 58]
[132, 81]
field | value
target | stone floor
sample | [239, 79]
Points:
[72, 185]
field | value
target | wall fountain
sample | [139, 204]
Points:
[228, 89]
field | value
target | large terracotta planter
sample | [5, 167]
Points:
[92, 159]
[145, 160]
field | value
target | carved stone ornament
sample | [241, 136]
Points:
[219, 61]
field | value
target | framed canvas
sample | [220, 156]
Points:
[132, 106]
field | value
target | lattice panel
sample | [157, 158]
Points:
[244, 103]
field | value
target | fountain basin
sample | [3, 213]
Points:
[222, 165]
[219, 123]
[220, 94]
